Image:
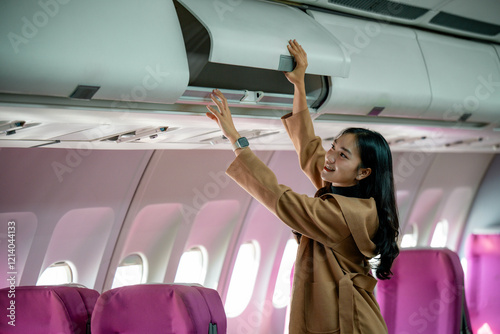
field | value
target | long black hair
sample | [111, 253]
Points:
[376, 154]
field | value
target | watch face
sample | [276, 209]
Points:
[243, 142]
[240, 143]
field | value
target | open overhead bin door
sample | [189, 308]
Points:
[112, 50]
[254, 33]
[388, 76]
[240, 47]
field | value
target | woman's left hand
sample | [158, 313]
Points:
[222, 116]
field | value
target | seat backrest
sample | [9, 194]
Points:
[47, 309]
[482, 252]
[155, 308]
[425, 294]
[215, 307]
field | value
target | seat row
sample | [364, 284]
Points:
[427, 293]
[148, 308]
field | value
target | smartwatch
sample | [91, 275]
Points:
[240, 143]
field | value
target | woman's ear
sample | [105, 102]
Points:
[363, 173]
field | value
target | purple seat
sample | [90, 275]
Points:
[483, 281]
[47, 309]
[215, 307]
[159, 308]
[426, 293]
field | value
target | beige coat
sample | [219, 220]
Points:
[332, 289]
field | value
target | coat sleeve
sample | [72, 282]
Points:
[316, 218]
[307, 145]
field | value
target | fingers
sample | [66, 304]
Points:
[220, 100]
[211, 115]
[213, 112]
[294, 44]
[222, 115]
[295, 48]
[298, 54]
[217, 102]
[218, 93]
[302, 50]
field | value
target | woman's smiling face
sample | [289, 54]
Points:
[343, 161]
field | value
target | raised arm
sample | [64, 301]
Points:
[299, 124]
[260, 182]
[297, 76]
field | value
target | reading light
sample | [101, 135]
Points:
[136, 135]
[10, 128]
[252, 97]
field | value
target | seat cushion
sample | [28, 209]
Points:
[47, 309]
[155, 308]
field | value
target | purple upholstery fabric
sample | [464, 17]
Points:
[483, 280]
[215, 307]
[158, 308]
[426, 293]
[48, 309]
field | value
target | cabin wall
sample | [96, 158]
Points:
[484, 215]
[67, 205]
[182, 192]
[433, 187]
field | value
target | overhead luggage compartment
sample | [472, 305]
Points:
[254, 33]
[120, 50]
[464, 77]
[388, 76]
[241, 46]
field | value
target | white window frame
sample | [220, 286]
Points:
[185, 275]
[129, 261]
[281, 295]
[48, 276]
[243, 279]
[410, 239]
[440, 234]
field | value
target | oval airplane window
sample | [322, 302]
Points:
[131, 270]
[410, 238]
[192, 266]
[440, 235]
[243, 279]
[463, 262]
[57, 273]
[281, 296]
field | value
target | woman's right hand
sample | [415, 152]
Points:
[298, 74]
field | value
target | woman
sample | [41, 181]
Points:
[352, 218]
